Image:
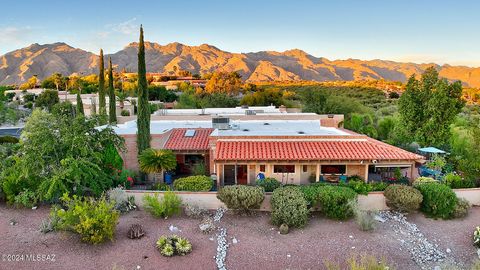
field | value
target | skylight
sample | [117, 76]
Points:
[190, 133]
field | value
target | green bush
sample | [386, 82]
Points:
[403, 198]
[8, 139]
[439, 200]
[173, 245]
[269, 184]
[289, 207]
[378, 186]
[455, 181]
[160, 186]
[94, 220]
[125, 113]
[359, 186]
[26, 198]
[240, 197]
[193, 183]
[461, 208]
[422, 180]
[334, 201]
[310, 193]
[165, 207]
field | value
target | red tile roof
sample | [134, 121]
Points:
[178, 141]
[366, 149]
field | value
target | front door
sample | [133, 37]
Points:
[242, 175]
[229, 174]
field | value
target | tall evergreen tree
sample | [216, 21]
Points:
[79, 104]
[101, 86]
[143, 120]
[111, 95]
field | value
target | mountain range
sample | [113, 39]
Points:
[43, 60]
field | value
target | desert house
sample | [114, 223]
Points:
[236, 144]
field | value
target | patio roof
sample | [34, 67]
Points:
[188, 139]
[339, 150]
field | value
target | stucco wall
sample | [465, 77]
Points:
[372, 201]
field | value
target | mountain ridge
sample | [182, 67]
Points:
[44, 59]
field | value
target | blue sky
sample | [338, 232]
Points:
[416, 31]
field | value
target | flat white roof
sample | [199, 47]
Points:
[240, 128]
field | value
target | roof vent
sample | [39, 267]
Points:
[266, 124]
[250, 112]
[331, 116]
[221, 123]
[246, 129]
[244, 106]
[190, 133]
[301, 132]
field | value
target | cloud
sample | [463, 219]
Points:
[12, 34]
[128, 27]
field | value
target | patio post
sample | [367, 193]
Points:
[366, 173]
[317, 176]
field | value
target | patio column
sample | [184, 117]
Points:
[317, 176]
[366, 173]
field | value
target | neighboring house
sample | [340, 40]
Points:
[294, 148]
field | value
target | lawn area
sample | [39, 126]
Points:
[259, 245]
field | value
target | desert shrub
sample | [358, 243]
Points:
[403, 198]
[365, 219]
[283, 229]
[165, 207]
[476, 237]
[240, 197]
[8, 139]
[125, 113]
[334, 201]
[461, 208]
[361, 262]
[160, 186]
[123, 203]
[289, 207]
[26, 198]
[94, 220]
[269, 184]
[439, 200]
[455, 181]
[422, 179]
[173, 245]
[193, 183]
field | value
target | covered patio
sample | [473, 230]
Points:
[303, 162]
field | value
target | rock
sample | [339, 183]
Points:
[448, 250]
[234, 240]
[34, 208]
[207, 225]
[379, 218]
[174, 229]
[350, 236]
[13, 222]
[288, 255]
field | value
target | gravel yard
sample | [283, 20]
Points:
[252, 243]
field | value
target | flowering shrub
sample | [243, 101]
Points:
[289, 207]
[403, 198]
[240, 197]
[124, 178]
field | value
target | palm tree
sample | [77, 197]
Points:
[155, 161]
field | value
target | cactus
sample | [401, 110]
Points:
[135, 231]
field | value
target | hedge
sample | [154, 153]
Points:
[193, 183]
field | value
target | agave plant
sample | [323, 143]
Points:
[157, 160]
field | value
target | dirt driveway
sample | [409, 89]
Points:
[258, 244]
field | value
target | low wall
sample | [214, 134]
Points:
[372, 201]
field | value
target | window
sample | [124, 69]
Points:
[334, 169]
[262, 168]
[284, 168]
[305, 168]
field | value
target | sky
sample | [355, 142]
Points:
[420, 31]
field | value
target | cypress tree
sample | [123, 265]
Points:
[79, 104]
[143, 120]
[101, 86]
[111, 95]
